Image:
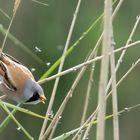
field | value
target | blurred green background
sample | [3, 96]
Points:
[47, 28]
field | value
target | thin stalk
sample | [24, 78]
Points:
[16, 5]
[60, 69]
[88, 128]
[107, 30]
[41, 3]
[114, 95]
[56, 123]
[14, 119]
[53, 129]
[77, 80]
[108, 95]
[78, 41]
[6, 35]
[62, 106]
[7, 120]
[84, 64]
[91, 117]
[90, 83]
[26, 111]
[60, 110]
[120, 113]
[126, 74]
[84, 34]
[124, 51]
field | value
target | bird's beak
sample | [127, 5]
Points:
[42, 99]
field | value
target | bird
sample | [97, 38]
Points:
[18, 83]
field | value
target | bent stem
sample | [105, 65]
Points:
[14, 119]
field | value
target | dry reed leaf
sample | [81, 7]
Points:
[16, 5]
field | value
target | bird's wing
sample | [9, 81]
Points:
[7, 59]
[6, 80]
[13, 59]
[15, 74]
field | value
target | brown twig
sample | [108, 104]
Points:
[73, 69]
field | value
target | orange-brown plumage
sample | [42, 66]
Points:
[15, 79]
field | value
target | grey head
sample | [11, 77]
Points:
[32, 93]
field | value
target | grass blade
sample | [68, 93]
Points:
[56, 64]
[14, 119]
[5, 14]
[7, 120]
[26, 111]
[20, 44]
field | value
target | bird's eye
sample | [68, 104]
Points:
[34, 97]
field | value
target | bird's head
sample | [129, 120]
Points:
[32, 93]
